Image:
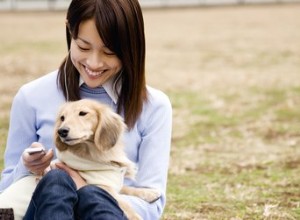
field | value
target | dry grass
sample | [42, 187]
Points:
[232, 74]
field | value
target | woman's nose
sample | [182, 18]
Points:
[95, 61]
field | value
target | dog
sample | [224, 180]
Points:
[88, 138]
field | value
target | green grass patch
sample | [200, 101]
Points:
[225, 183]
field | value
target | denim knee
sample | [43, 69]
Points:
[54, 198]
[96, 203]
[58, 176]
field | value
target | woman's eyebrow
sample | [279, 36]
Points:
[83, 40]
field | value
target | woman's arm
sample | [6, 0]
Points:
[153, 153]
[21, 134]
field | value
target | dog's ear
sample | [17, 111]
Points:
[109, 129]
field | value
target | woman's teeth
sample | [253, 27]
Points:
[92, 73]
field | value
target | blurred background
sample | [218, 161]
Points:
[63, 4]
[232, 72]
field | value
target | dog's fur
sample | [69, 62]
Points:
[92, 131]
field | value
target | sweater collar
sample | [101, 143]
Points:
[108, 87]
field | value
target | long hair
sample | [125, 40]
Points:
[120, 25]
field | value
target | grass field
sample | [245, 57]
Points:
[233, 76]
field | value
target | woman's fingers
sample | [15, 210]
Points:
[79, 181]
[37, 162]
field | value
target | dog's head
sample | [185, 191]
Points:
[86, 123]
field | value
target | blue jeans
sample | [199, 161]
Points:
[57, 198]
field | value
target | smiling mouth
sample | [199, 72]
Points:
[93, 73]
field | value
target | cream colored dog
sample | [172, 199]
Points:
[88, 138]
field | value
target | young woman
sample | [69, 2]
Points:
[105, 62]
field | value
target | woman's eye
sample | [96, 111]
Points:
[83, 48]
[82, 113]
[109, 53]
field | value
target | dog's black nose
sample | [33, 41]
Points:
[63, 132]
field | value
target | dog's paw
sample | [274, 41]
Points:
[150, 195]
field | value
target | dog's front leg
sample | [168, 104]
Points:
[148, 194]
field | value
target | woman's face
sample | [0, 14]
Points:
[93, 60]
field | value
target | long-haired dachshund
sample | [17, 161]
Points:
[88, 138]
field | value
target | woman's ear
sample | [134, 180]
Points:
[109, 130]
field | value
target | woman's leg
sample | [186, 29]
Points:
[96, 203]
[54, 198]
[18, 195]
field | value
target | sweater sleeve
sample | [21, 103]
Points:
[153, 155]
[21, 134]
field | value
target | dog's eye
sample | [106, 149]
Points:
[82, 113]
[62, 118]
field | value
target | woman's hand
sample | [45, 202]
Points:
[79, 181]
[37, 162]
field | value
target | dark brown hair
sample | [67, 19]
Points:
[121, 27]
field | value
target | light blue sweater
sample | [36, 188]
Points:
[32, 119]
